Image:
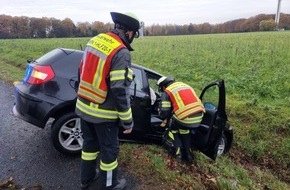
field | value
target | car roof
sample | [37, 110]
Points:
[146, 69]
[68, 51]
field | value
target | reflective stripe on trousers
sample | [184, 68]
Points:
[102, 138]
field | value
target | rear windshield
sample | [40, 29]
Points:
[52, 57]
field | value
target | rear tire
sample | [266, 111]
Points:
[66, 134]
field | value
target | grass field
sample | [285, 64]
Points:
[255, 67]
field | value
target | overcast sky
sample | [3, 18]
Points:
[150, 11]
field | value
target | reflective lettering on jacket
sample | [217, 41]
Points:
[184, 101]
[95, 67]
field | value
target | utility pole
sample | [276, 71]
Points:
[277, 17]
[141, 30]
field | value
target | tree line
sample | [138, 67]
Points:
[31, 27]
[261, 22]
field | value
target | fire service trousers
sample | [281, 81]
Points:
[100, 143]
[182, 136]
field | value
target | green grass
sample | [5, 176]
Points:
[255, 67]
[250, 63]
[10, 73]
[17, 52]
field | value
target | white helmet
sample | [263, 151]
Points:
[165, 81]
[130, 20]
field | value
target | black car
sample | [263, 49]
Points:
[48, 92]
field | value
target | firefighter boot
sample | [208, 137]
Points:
[108, 180]
[188, 155]
[186, 141]
[121, 184]
[93, 183]
[177, 144]
[178, 153]
[118, 183]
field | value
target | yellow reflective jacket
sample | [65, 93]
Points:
[105, 75]
[180, 101]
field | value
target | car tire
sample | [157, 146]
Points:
[229, 135]
[221, 146]
[66, 134]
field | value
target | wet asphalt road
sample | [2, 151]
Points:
[27, 154]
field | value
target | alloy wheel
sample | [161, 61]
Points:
[70, 135]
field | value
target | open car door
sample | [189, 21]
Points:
[210, 138]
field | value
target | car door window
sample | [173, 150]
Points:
[137, 80]
[211, 97]
[154, 92]
[152, 80]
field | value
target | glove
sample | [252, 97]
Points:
[163, 124]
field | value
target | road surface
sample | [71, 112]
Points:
[28, 156]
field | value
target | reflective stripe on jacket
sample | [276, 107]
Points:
[184, 101]
[95, 111]
[95, 66]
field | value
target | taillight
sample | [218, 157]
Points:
[37, 74]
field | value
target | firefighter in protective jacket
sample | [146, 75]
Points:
[103, 102]
[181, 106]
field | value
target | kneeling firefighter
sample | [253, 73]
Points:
[181, 106]
[103, 101]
